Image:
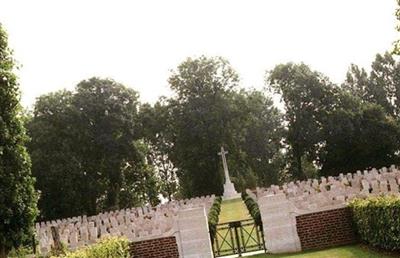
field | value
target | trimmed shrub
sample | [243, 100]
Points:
[21, 252]
[213, 215]
[253, 208]
[377, 220]
[109, 247]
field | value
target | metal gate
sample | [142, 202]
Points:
[238, 237]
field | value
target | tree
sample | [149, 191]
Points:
[54, 163]
[17, 195]
[381, 86]
[261, 132]
[210, 111]
[86, 145]
[157, 130]
[106, 115]
[201, 117]
[357, 137]
[308, 97]
[373, 117]
[396, 43]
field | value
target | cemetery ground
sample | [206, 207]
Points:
[319, 230]
[351, 251]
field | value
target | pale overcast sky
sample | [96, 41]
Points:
[59, 43]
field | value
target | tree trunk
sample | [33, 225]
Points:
[56, 237]
[299, 168]
[3, 252]
[169, 196]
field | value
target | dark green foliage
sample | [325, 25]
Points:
[381, 86]
[366, 112]
[202, 118]
[260, 132]
[253, 208]
[378, 221]
[209, 111]
[213, 215]
[155, 125]
[334, 130]
[86, 150]
[359, 138]
[308, 96]
[17, 195]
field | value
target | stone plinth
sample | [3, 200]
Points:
[229, 191]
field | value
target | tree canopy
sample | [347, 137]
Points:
[89, 138]
[210, 111]
[308, 96]
[17, 195]
[336, 128]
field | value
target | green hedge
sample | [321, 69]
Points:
[213, 215]
[377, 220]
[110, 247]
[253, 208]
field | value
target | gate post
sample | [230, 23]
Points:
[194, 234]
[235, 226]
[279, 224]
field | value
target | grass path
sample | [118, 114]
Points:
[232, 210]
[353, 251]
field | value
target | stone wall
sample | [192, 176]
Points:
[155, 248]
[325, 229]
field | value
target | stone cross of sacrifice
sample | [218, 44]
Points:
[225, 165]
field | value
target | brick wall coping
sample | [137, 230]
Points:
[299, 212]
[169, 233]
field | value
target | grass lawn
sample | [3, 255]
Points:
[352, 251]
[232, 210]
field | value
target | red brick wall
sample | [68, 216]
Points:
[156, 248]
[325, 229]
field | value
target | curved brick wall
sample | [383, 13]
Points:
[325, 229]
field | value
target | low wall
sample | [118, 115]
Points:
[165, 247]
[279, 225]
[194, 237]
[325, 229]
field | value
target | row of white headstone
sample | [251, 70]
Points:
[325, 193]
[136, 224]
[279, 205]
